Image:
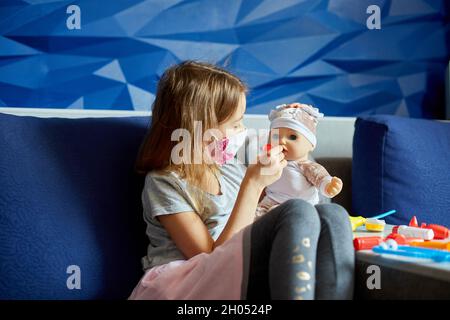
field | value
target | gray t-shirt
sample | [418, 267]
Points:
[166, 193]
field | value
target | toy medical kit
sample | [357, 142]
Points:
[412, 252]
[267, 147]
[440, 232]
[366, 243]
[413, 232]
[375, 225]
[431, 244]
[401, 239]
[359, 221]
[389, 244]
[413, 222]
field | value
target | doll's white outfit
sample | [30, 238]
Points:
[299, 180]
[302, 180]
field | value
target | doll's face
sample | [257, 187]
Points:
[295, 145]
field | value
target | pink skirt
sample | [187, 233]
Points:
[219, 275]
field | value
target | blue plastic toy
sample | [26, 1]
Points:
[413, 252]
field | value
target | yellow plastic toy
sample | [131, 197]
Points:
[375, 225]
[359, 221]
[431, 244]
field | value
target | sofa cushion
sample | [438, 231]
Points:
[69, 197]
[403, 164]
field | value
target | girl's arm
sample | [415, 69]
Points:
[243, 212]
[191, 235]
[267, 170]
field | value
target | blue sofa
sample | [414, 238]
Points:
[403, 164]
[69, 196]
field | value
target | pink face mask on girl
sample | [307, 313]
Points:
[225, 149]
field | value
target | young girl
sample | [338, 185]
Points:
[204, 243]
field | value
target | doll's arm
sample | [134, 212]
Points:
[333, 188]
[318, 176]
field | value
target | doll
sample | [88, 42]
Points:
[294, 128]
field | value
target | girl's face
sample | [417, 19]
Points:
[295, 145]
[234, 123]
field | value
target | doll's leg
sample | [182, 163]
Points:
[283, 249]
[335, 254]
[260, 211]
[264, 206]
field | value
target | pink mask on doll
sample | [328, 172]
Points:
[225, 149]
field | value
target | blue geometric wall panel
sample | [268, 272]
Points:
[315, 51]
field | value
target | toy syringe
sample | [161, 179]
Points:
[414, 252]
[359, 221]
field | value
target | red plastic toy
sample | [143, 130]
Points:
[413, 222]
[401, 239]
[267, 147]
[440, 232]
[366, 243]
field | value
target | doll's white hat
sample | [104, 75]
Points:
[303, 119]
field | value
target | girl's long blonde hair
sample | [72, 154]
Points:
[188, 92]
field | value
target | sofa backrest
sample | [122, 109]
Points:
[70, 206]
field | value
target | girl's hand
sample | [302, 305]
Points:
[268, 168]
[334, 187]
